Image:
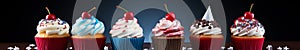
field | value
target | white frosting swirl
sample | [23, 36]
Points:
[206, 26]
[162, 28]
[197, 29]
[247, 28]
[126, 29]
[53, 27]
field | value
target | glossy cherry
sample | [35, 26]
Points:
[51, 17]
[85, 15]
[170, 16]
[249, 15]
[128, 16]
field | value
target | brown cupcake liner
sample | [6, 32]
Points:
[167, 43]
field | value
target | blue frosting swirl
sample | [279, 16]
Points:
[87, 26]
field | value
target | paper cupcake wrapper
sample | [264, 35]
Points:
[248, 43]
[127, 43]
[167, 44]
[206, 43]
[195, 42]
[89, 43]
[51, 43]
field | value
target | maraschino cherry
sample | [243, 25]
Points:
[249, 15]
[127, 15]
[170, 16]
[50, 16]
[87, 15]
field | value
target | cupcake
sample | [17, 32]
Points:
[127, 34]
[168, 34]
[53, 33]
[247, 33]
[206, 33]
[87, 33]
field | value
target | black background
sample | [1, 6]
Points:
[19, 18]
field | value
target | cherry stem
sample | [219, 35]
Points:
[122, 8]
[166, 7]
[91, 9]
[251, 7]
[48, 10]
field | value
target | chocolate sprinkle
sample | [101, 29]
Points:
[204, 23]
[65, 27]
[209, 27]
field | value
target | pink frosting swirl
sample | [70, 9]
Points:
[168, 28]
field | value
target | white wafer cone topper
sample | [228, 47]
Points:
[208, 15]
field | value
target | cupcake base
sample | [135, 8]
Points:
[167, 43]
[206, 42]
[247, 43]
[127, 43]
[51, 42]
[89, 42]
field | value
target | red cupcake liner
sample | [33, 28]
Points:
[51, 43]
[248, 43]
[89, 43]
[206, 43]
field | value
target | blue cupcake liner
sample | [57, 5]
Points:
[127, 43]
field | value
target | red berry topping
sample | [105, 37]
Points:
[128, 16]
[51, 17]
[85, 15]
[249, 15]
[170, 16]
